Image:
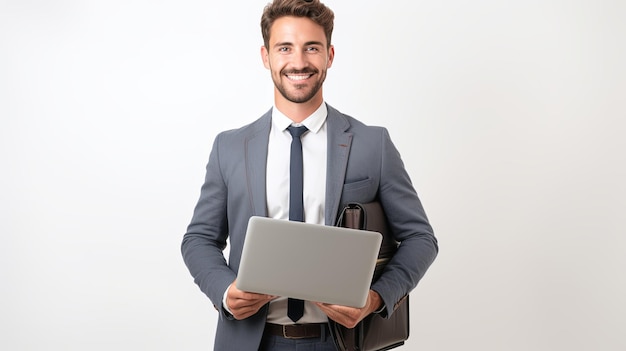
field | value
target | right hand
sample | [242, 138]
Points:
[243, 304]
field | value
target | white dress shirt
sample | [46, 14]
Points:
[313, 193]
[314, 188]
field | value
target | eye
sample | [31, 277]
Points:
[283, 49]
[312, 49]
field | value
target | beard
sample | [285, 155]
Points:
[300, 93]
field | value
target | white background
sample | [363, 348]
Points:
[108, 110]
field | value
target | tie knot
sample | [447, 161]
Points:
[297, 132]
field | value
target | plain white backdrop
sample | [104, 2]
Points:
[510, 116]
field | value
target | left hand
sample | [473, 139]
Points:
[349, 317]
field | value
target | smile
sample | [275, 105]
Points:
[299, 77]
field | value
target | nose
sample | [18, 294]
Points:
[299, 60]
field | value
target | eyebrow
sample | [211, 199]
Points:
[308, 43]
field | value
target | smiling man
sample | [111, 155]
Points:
[298, 54]
[254, 170]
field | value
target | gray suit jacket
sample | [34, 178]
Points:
[363, 165]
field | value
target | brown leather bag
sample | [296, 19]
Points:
[373, 333]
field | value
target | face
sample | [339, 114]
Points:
[297, 57]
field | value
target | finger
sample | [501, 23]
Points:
[243, 308]
[336, 309]
[246, 295]
[245, 301]
[346, 316]
[234, 293]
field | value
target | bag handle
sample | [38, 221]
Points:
[353, 215]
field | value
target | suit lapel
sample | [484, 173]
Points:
[255, 158]
[339, 142]
[338, 150]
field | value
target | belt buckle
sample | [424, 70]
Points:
[290, 337]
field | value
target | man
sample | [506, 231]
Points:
[248, 174]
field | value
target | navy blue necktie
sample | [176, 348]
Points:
[295, 307]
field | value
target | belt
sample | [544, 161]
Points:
[297, 331]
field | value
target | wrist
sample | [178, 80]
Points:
[377, 305]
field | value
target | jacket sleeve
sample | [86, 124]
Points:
[410, 226]
[205, 240]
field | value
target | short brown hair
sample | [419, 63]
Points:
[311, 9]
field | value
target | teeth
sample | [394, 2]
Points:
[298, 77]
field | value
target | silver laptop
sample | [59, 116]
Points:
[308, 261]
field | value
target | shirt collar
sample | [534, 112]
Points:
[313, 123]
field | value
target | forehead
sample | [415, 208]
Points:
[296, 30]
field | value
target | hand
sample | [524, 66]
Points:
[244, 304]
[349, 317]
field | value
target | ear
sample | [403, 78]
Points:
[331, 56]
[265, 57]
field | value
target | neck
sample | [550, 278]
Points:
[297, 112]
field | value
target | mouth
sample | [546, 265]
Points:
[299, 76]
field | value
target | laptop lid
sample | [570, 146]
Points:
[308, 261]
